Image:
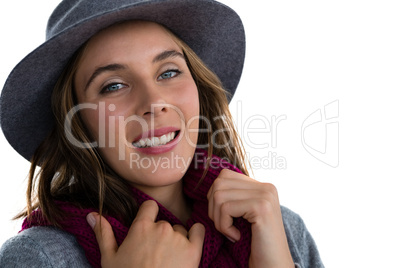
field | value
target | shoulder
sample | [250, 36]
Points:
[292, 221]
[301, 243]
[42, 247]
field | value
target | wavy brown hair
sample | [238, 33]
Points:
[81, 177]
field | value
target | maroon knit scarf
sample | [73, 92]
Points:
[217, 252]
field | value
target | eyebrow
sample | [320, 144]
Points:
[102, 69]
[167, 54]
[116, 67]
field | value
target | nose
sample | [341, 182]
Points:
[151, 101]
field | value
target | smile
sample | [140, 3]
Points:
[155, 141]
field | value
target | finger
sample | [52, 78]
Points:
[147, 211]
[196, 236]
[233, 190]
[230, 174]
[180, 229]
[104, 234]
[221, 196]
[232, 180]
[224, 221]
[222, 215]
[252, 210]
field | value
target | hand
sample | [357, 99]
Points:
[149, 243]
[236, 195]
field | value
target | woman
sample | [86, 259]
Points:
[136, 145]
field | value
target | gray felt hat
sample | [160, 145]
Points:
[213, 30]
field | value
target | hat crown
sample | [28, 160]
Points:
[73, 12]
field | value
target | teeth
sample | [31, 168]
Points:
[163, 139]
[142, 143]
[154, 141]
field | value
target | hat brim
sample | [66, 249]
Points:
[213, 30]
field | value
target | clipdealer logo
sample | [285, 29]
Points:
[320, 134]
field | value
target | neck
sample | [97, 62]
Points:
[172, 198]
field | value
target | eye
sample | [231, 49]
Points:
[169, 74]
[112, 87]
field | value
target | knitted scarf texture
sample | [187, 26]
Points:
[218, 251]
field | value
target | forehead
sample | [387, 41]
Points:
[133, 36]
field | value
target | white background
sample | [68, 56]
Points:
[301, 56]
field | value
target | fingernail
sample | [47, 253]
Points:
[230, 239]
[91, 220]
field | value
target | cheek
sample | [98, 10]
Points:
[192, 117]
[103, 127]
[189, 100]
[191, 110]
[90, 119]
[102, 123]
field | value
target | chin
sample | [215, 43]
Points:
[159, 177]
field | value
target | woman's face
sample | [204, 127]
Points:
[143, 102]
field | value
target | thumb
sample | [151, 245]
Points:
[196, 235]
[104, 234]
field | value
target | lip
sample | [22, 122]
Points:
[157, 133]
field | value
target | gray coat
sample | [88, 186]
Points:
[50, 247]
